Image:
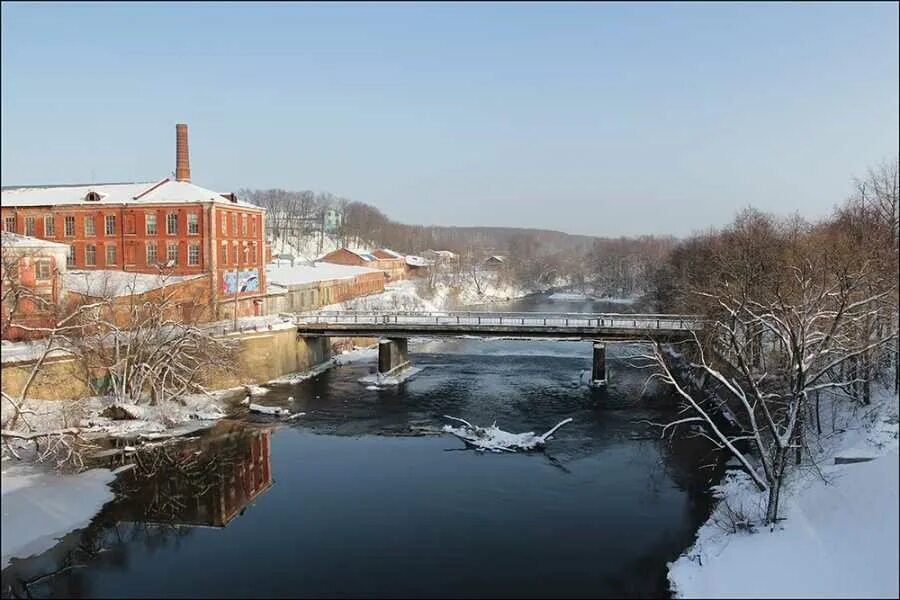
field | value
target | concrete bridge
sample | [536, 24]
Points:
[395, 327]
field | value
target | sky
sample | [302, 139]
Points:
[601, 119]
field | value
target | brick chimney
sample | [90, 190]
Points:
[182, 156]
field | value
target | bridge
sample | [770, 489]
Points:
[395, 327]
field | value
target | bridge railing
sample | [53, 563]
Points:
[520, 319]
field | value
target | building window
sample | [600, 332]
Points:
[246, 254]
[253, 226]
[70, 226]
[110, 224]
[151, 223]
[42, 270]
[234, 254]
[90, 255]
[9, 223]
[172, 254]
[29, 226]
[224, 222]
[111, 254]
[151, 253]
[70, 257]
[194, 254]
[171, 223]
[193, 224]
[233, 224]
[49, 226]
[89, 228]
[244, 225]
[224, 253]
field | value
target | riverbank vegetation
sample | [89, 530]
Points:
[797, 310]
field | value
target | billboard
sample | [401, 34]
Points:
[246, 281]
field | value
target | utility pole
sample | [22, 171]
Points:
[237, 287]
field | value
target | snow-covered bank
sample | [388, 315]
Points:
[574, 297]
[100, 417]
[41, 507]
[839, 537]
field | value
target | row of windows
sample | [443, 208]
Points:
[90, 229]
[90, 254]
[249, 253]
[234, 224]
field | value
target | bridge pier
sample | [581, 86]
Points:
[393, 355]
[598, 371]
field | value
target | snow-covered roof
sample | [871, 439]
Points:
[107, 282]
[389, 252]
[16, 240]
[165, 191]
[496, 257]
[416, 261]
[322, 271]
[366, 256]
[444, 253]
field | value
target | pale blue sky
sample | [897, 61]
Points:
[610, 119]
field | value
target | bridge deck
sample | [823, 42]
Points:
[582, 326]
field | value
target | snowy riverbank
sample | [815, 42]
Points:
[839, 536]
[40, 507]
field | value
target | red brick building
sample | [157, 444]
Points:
[169, 225]
[388, 261]
[32, 283]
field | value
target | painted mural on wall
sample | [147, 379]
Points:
[247, 280]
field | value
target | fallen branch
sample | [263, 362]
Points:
[496, 440]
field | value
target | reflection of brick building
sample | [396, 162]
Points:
[170, 225]
[207, 489]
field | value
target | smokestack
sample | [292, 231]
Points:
[182, 156]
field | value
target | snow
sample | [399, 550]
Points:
[286, 275]
[573, 296]
[306, 248]
[401, 295]
[495, 439]
[39, 507]
[198, 411]
[165, 191]
[377, 379]
[107, 282]
[839, 537]
[15, 240]
[268, 410]
[11, 352]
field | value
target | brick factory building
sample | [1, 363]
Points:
[170, 226]
[393, 264]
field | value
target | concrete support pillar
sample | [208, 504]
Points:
[392, 355]
[598, 374]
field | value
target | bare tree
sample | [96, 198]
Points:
[776, 337]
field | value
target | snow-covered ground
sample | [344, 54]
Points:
[40, 507]
[839, 537]
[282, 273]
[307, 248]
[400, 295]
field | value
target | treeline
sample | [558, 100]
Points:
[798, 313]
[534, 258]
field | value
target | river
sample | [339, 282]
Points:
[363, 497]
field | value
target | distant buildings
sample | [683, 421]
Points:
[494, 262]
[170, 226]
[440, 257]
[393, 264]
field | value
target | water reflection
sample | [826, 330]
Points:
[366, 506]
[170, 489]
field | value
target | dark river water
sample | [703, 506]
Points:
[363, 496]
